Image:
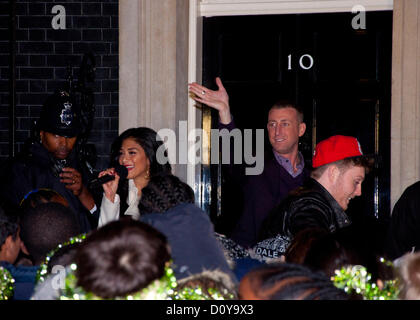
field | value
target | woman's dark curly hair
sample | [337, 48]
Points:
[152, 145]
[164, 192]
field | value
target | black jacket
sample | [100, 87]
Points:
[306, 207]
[190, 234]
[34, 170]
[404, 227]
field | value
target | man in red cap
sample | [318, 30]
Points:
[339, 168]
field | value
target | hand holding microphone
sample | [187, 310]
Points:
[109, 180]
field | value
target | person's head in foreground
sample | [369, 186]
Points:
[207, 285]
[10, 242]
[121, 258]
[44, 227]
[408, 272]
[39, 196]
[286, 281]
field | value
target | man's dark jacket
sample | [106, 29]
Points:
[308, 206]
[261, 193]
[404, 227]
[34, 170]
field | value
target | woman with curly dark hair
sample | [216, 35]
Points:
[144, 155]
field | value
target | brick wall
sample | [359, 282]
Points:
[42, 56]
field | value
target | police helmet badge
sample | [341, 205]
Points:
[66, 115]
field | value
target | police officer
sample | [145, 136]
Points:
[52, 162]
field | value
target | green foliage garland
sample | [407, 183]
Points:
[356, 279]
[6, 284]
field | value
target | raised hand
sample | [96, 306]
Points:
[218, 100]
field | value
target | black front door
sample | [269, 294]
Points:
[341, 77]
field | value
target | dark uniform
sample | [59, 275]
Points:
[403, 231]
[37, 168]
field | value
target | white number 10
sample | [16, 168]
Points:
[311, 62]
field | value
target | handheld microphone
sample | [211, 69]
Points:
[98, 182]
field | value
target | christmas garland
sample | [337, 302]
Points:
[6, 284]
[356, 279]
[161, 289]
[198, 294]
[43, 269]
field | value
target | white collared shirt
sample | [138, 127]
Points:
[110, 210]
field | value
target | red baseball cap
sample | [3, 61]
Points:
[335, 148]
